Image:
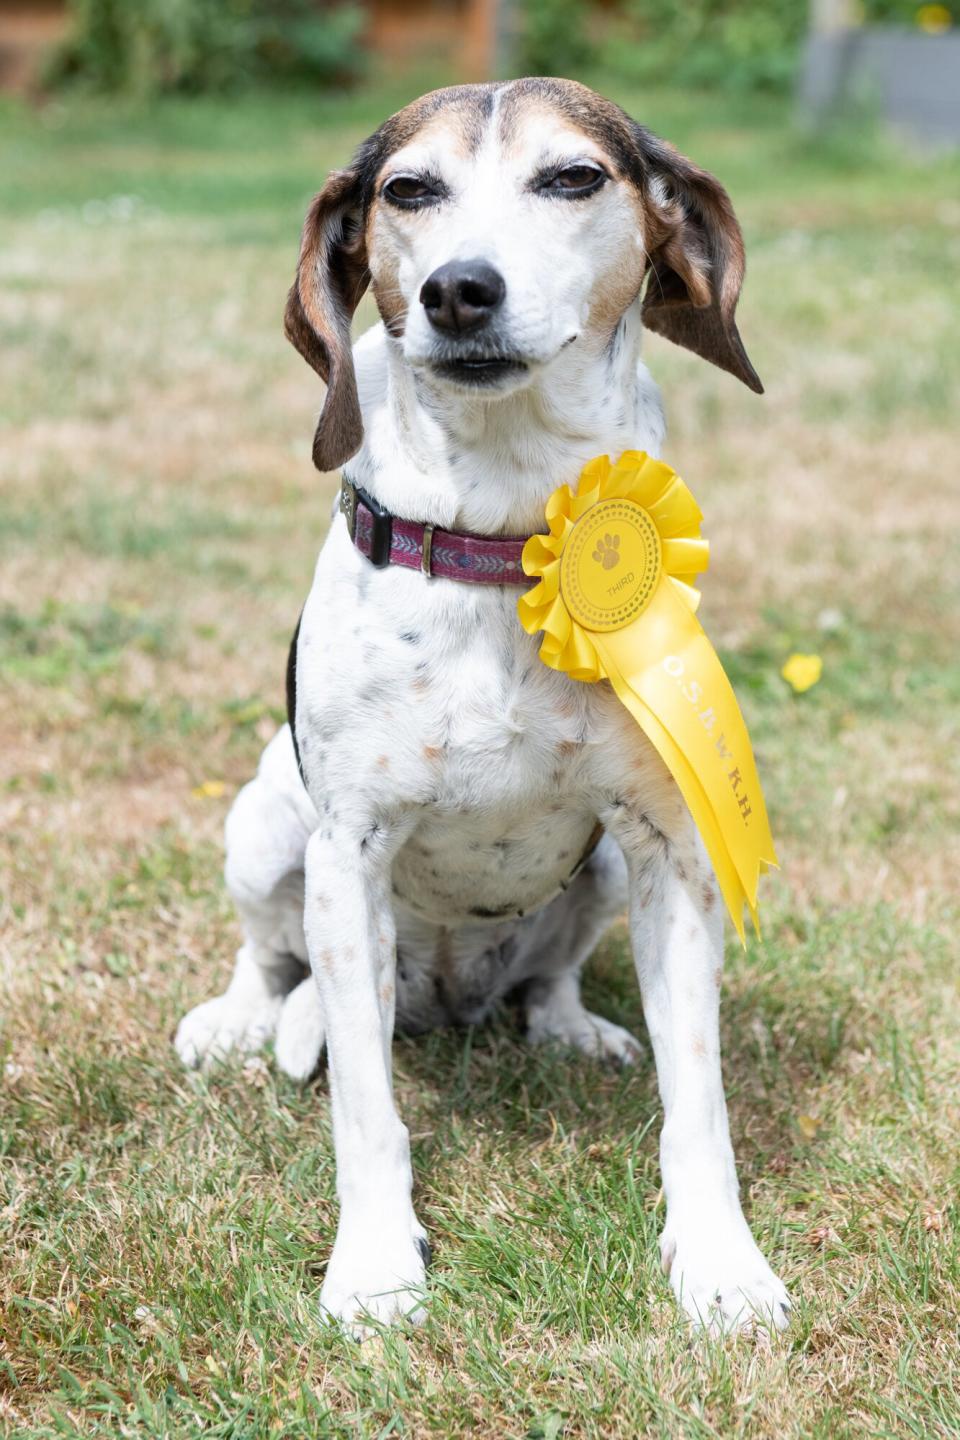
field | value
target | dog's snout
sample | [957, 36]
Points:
[462, 295]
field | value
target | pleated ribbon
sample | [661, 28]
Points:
[616, 601]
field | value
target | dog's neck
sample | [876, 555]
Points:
[489, 466]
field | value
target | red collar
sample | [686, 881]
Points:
[452, 555]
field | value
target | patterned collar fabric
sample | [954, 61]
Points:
[445, 554]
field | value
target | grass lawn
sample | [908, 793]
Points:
[163, 1236]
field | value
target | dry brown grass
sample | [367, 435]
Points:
[162, 1237]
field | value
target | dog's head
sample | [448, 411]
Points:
[501, 224]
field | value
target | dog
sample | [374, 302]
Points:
[445, 820]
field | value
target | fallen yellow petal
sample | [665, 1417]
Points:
[809, 1125]
[209, 790]
[802, 671]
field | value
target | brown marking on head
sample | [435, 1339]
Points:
[565, 104]
[709, 895]
[693, 241]
[460, 111]
[614, 294]
[334, 266]
[456, 116]
[433, 752]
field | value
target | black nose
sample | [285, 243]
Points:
[462, 295]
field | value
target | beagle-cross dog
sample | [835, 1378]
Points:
[446, 820]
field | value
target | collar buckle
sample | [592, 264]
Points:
[381, 522]
[348, 506]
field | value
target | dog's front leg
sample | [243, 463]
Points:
[676, 922]
[377, 1266]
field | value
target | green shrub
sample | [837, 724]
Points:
[152, 46]
[733, 44]
[728, 44]
[553, 37]
[904, 12]
[724, 44]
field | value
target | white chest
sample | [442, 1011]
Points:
[439, 709]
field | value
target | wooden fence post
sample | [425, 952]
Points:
[489, 39]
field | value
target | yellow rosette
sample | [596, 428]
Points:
[616, 601]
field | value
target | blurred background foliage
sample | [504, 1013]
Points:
[154, 46]
[732, 44]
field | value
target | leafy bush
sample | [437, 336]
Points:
[151, 46]
[723, 44]
[554, 37]
[728, 44]
[906, 12]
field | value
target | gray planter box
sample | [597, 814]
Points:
[912, 79]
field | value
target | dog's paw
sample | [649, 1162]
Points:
[589, 1033]
[376, 1278]
[721, 1279]
[212, 1030]
[300, 1032]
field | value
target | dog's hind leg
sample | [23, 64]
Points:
[266, 837]
[565, 937]
[300, 1031]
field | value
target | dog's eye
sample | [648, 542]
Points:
[410, 191]
[574, 180]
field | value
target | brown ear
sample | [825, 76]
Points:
[696, 259]
[331, 277]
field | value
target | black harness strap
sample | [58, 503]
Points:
[292, 695]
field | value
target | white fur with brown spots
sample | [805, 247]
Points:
[452, 780]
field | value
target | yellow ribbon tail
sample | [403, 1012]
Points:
[731, 887]
[683, 701]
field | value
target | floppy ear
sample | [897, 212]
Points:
[332, 275]
[696, 259]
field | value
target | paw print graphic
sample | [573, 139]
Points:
[607, 551]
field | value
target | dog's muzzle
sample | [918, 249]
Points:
[462, 296]
[463, 301]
